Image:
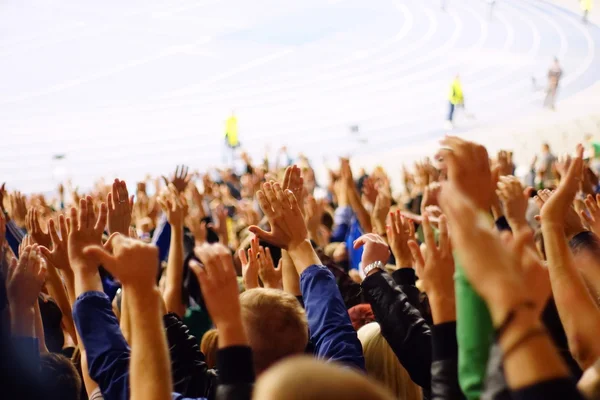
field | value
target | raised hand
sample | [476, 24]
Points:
[436, 269]
[197, 227]
[219, 286]
[120, 207]
[313, 213]
[591, 215]
[283, 212]
[468, 169]
[375, 249]
[556, 208]
[85, 229]
[293, 181]
[250, 266]
[492, 268]
[515, 201]
[18, 208]
[381, 209]
[174, 205]
[571, 222]
[269, 275]
[34, 228]
[131, 261]
[59, 256]
[431, 195]
[369, 190]
[25, 278]
[180, 179]
[399, 232]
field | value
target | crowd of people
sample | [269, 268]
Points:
[466, 283]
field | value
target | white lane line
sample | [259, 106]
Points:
[328, 72]
[90, 78]
[201, 86]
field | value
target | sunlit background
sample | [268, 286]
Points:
[131, 88]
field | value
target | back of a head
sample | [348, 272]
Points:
[209, 346]
[383, 365]
[305, 378]
[275, 324]
[60, 378]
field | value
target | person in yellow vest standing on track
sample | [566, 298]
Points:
[456, 98]
[586, 7]
[231, 138]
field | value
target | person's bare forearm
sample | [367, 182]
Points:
[364, 219]
[148, 333]
[57, 291]
[39, 329]
[172, 295]
[529, 361]
[290, 278]
[125, 321]
[571, 293]
[303, 256]
[22, 321]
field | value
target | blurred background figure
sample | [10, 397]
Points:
[456, 98]
[231, 140]
[586, 7]
[554, 75]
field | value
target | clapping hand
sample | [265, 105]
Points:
[283, 212]
[25, 278]
[515, 201]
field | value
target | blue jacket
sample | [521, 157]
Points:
[108, 353]
[329, 324]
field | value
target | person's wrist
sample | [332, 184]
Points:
[231, 332]
[403, 260]
[294, 247]
[443, 305]
[22, 321]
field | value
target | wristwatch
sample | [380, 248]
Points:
[372, 266]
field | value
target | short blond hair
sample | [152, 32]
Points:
[383, 365]
[306, 378]
[275, 324]
[209, 346]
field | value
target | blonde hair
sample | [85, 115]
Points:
[275, 324]
[209, 346]
[383, 365]
[306, 378]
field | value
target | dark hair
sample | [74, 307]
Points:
[59, 377]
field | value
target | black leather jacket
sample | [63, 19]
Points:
[191, 376]
[402, 325]
[430, 356]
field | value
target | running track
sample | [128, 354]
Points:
[138, 87]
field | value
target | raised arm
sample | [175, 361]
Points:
[570, 292]
[150, 371]
[173, 204]
[329, 323]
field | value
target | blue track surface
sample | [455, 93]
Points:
[139, 89]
